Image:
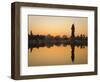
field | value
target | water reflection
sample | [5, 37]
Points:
[71, 49]
[49, 45]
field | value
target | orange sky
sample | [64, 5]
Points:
[57, 25]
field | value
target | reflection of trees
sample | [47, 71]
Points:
[51, 44]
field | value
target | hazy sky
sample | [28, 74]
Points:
[57, 25]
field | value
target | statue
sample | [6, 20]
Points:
[73, 31]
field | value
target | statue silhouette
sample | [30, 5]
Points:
[73, 31]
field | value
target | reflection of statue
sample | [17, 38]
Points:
[72, 53]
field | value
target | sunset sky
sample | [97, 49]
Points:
[57, 25]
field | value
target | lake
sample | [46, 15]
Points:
[57, 55]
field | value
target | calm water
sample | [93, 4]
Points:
[57, 55]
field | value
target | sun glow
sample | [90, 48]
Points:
[57, 25]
